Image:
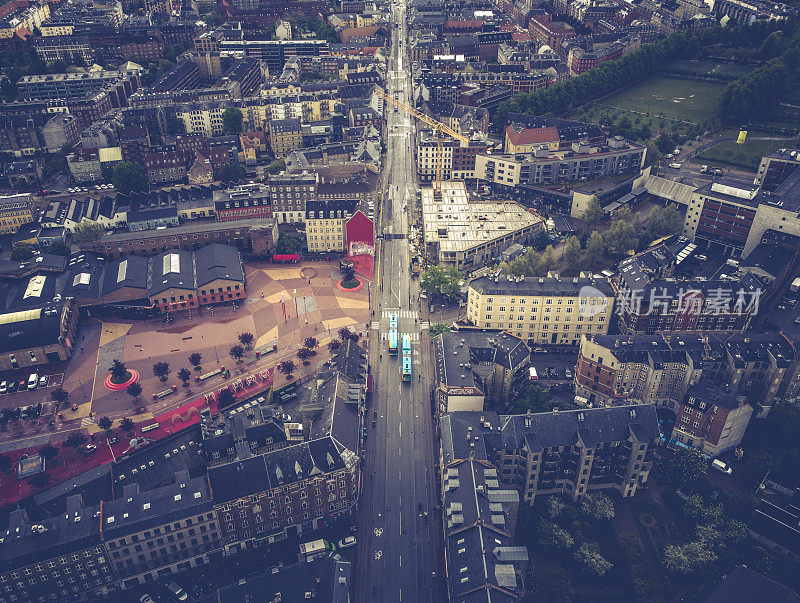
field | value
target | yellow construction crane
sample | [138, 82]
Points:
[441, 130]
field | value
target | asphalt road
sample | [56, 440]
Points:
[398, 550]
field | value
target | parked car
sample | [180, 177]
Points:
[145, 598]
[22, 385]
[721, 466]
[346, 542]
[12, 386]
[176, 590]
[43, 380]
[3, 387]
[539, 351]
[567, 374]
[552, 372]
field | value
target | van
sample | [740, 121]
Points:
[33, 381]
[721, 467]
[532, 375]
[675, 166]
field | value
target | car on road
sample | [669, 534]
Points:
[3, 387]
[374, 417]
[703, 169]
[670, 155]
[676, 152]
[88, 449]
[539, 351]
[346, 542]
[701, 258]
[797, 320]
[717, 172]
[675, 166]
[33, 381]
[177, 591]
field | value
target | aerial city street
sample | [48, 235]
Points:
[399, 301]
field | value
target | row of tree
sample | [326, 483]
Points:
[602, 80]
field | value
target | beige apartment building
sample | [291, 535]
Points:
[325, 224]
[543, 310]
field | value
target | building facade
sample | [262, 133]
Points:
[544, 310]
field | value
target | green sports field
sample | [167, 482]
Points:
[670, 98]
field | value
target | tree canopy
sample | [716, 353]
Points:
[130, 176]
[232, 121]
[87, 231]
[441, 282]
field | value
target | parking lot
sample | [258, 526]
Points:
[25, 398]
[552, 364]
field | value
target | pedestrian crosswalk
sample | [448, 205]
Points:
[424, 325]
[86, 421]
[401, 313]
[375, 325]
[414, 336]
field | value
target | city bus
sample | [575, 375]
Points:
[406, 344]
[393, 342]
[392, 321]
[407, 367]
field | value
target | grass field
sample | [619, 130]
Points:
[725, 70]
[747, 155]
[672, 98]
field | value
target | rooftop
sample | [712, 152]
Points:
[458, 224]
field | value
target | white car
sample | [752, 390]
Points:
[346, 542]
[675, 166]
[33, 381]
[721, 467]
[3, 387]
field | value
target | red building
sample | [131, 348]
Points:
[360, 233]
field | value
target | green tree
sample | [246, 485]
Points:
[552, 537]
[161, 370]
[104, 423]
[438, 328]
[87, 231]
[333, 345]
[276, 167]
[595, 246]
[48, 452]
[126, 424]
[555, 506]
[304, 353]
[232, 121]
[597, 506]
[75, 439]
[686, 467]
[311, 343]
[441, 282]
[184, 375]
[236, 352]
[288, 244]
[134, 391]
[287, 367]
[119, 373]
[195, 359]
[621, 237]
[21, 254]
[59, 395]
[532, 398]
[572, 252]
[590, 558]
[688, 558]
[130, 176]
[246, 339]
[6, 464]
[232, 173]
[58, 248]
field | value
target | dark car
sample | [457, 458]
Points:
[552, 372]
[12, 386]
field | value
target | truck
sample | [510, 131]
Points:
[316, 547]
[415, 269]
[795, 286]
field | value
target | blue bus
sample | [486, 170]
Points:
[392, 321]
[407, 367]
[406, 344]
[393, 342]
